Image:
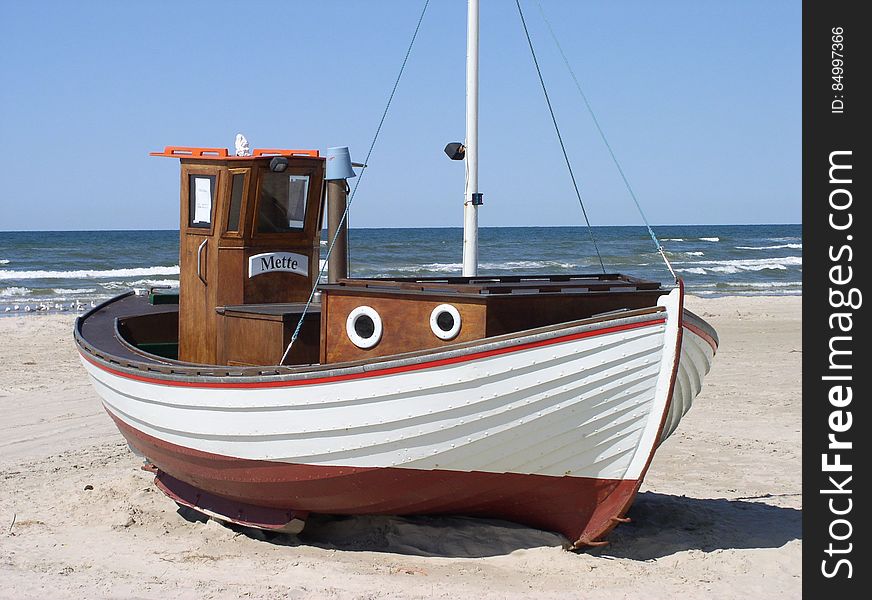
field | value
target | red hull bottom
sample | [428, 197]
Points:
[270, 494]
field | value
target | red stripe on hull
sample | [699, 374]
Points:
[580, 508]
[377, 372]
[708, 339]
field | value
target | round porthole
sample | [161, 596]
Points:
[364, 327]
[445, 322]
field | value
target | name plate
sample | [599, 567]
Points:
[269, 262]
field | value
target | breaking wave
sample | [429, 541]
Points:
[431, 267]
[704, 267]
[710, 239]
[764, 284]
[11, 292]
[89, 274]
[487, 266]
[529, 264]
[752, 292]
[140, 283]
[775, 247]
[73, 291]
[4, 261]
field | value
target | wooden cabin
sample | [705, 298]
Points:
[250, 233]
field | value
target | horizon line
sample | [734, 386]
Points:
[430, 227]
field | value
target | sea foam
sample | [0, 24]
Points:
[775, 247]
[765, 284]
[511, 265]
[89, 274]
[139, 283]
[14, 292]
[73, 291]
[703, 267]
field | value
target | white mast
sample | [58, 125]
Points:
[471, 197]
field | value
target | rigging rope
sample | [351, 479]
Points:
[356, 184]
[605, 140]
[559, 137]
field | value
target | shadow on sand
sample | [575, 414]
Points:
[661, 525]
[664, 524]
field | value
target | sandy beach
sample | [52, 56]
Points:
[719, 515]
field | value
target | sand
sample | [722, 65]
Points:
[719, 515]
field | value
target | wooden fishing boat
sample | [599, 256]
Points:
[259, 395]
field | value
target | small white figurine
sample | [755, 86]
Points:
[242, 146]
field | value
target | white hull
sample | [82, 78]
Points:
[586, 407]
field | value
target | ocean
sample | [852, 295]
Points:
[52, 271]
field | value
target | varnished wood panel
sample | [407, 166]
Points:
[248, 339]
[307, 348]
[508, 314]
[405, 323]
[251, 341]
[225, 259]
[280, 286]
[150, 328]
[197, 300]
[232, 271]
[406, 316]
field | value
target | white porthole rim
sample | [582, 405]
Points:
[434, 325]
[358, 340]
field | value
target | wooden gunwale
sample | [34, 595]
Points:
[167, 369]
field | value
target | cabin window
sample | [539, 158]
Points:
[282, 206]
[445, 322]
[237, 189]
[201, 197]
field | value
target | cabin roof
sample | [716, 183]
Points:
[203, 153]
[501, 286]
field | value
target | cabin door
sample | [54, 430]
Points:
[201, 188]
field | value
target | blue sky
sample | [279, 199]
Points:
[700, 100]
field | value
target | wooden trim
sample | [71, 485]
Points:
[325, 315]
[706, 337]
[467, 296]
[310, 224]
[500, 284]
[186, 172]
[490, 280]
[246, 192]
